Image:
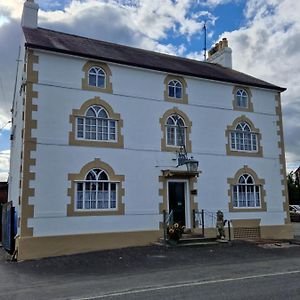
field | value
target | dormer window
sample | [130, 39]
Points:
[97, 77]
[175, 89]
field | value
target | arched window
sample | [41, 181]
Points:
[175, 89]
[246, 193]
[96, 77]
[96, 192]
[241, 98]
[243, 139]
[96, 125]
[176, 131]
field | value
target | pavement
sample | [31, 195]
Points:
[232, 270]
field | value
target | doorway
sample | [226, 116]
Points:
[177, 201]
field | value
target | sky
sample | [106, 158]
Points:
[264, 36]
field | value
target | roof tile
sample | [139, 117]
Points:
[41, 38]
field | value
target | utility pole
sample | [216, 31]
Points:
[204, 48]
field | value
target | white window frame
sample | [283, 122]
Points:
[176, 133]
[175, 87]
[109, 182]
[241, 97]
[242, 136]
[99, 73]
[97, 126]
[238, 194]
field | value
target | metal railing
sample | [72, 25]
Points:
[207, 219]
[168, 220]
[204, 219]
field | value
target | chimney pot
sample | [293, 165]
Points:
[225, 43]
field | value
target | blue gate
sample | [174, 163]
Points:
[8, 227]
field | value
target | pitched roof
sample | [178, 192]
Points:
[55, 41]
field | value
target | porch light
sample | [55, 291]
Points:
[192, 164]
[182, 159]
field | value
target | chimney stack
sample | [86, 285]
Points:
[30, 14]
[221, 54]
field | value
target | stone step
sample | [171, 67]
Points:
[192, 235]
[197, 244]
[187, 244]
[190, 240]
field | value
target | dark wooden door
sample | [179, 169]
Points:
[177, 201]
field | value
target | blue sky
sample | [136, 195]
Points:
[4, 140]
[263, 34]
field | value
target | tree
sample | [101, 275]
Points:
[293, 188]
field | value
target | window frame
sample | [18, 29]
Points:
[184, 95]
[174, 88]
[76, 139]
[97, 76]
[242, 142]
[232, 182]
[176, 131]
[188, 127]
[85, 82]
[84, 182]
[231, 129]
[235, 101]
[77, 178]
[241, 96]
[97, 121]
[247, 187]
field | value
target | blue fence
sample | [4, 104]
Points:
[8, 227]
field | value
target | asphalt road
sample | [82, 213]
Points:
[238, 271]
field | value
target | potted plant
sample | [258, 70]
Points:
[175, 232]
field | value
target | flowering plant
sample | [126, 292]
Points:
[175, 232]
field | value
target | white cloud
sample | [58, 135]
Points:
[147, 19]
[195, 55]
[268, 48]
[212, 3]
[11, 8]
[4, 164]
[8, 56]
[3, 20]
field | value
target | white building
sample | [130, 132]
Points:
[96, 128]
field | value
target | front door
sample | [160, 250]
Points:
[177, 201]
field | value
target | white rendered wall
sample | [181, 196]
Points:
[138, 98]
[17, 142]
